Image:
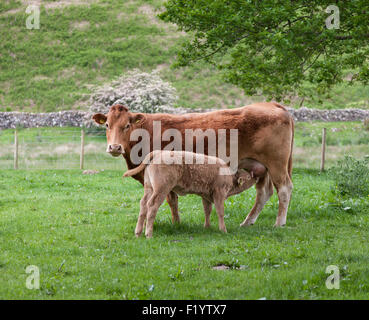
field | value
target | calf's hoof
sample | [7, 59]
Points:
[138, 232]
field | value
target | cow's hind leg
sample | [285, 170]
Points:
[264, 190]
[172, 200]
[143, 210]
[283, 184]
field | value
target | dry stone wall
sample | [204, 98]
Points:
[81, 118]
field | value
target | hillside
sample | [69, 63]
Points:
[85, 43]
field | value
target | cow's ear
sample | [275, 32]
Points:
[137, 118]
[99, 118]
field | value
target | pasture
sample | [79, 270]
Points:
[79, 230]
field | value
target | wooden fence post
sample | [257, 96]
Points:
[324, 133]
[82, 155]
[15, 149]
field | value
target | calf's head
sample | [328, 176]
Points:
[119, 123]
[242, 180]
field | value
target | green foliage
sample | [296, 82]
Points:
[351, 177]
[272, 47]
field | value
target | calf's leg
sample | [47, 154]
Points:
[172, 200]
[219, 207]
[207, 210]
[143, 210]
[153, 204]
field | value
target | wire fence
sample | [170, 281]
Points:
[76, 148]
[56, 148]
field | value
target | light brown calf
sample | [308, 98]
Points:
[187, 173]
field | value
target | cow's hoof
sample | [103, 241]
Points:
[246, 224]
[278, 225]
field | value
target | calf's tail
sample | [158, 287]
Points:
[141, 167]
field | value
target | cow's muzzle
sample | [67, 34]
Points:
[115, 150]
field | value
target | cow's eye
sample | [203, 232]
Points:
[126, 126]
[106, 125]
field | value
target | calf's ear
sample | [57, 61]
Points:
[137, 118]
[99, 118]
[241, 181]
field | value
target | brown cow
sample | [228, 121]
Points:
[265, 135]
[186, 173]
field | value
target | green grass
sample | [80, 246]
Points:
[79, 230]
[79, 46]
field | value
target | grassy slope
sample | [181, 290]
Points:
[81, 236]
[55, 67]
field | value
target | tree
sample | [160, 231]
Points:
[274, 47]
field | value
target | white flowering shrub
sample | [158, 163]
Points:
[137, 90]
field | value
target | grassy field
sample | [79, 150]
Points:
[90, 43]
[79, 231]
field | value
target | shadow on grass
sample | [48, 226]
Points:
[192, 230]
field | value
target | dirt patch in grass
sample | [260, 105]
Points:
[80, 25]
[221, 267]
[58, 4]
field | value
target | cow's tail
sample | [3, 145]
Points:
[141, 167]
[290, 158]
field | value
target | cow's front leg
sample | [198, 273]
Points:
[172, 200]
[264, 190]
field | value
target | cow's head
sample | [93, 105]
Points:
[119, 124]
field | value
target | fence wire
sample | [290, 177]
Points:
[56, 148]
[60, 148]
